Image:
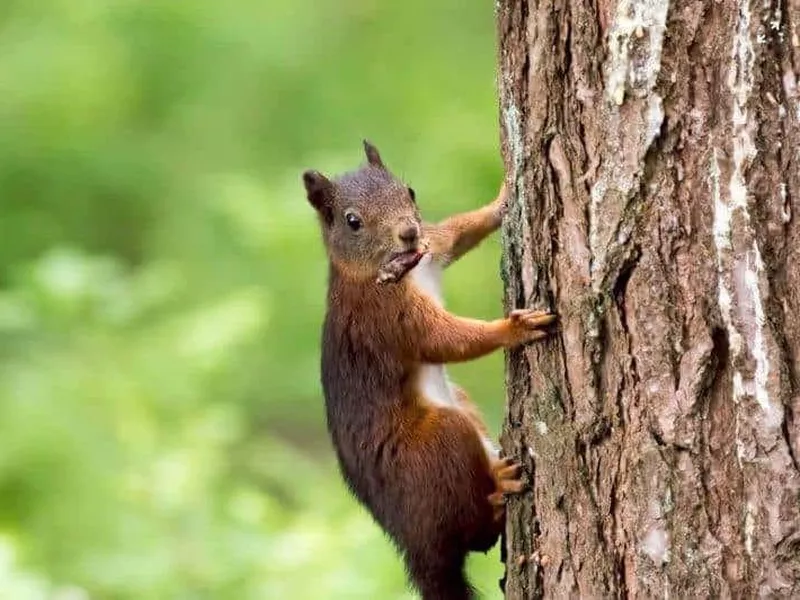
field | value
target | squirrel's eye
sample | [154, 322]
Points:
[412, 193]
[353, 222]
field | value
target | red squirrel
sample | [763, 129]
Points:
[410, 444]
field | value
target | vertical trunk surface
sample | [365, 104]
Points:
[654, 148]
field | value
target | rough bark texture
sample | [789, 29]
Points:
[654, 148]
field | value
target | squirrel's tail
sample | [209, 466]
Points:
[439, 577]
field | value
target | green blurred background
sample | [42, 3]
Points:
[161, 422]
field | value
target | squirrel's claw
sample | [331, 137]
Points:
[532, 318]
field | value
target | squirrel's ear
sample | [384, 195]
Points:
[319, 191]
[373, 156]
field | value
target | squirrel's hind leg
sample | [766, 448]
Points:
[507, 476]
[505, 472]
[469, 408]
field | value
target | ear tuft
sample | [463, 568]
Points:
[319, 191]
[373, 156]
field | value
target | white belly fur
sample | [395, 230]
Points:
[433, 381]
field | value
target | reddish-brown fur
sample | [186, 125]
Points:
[421, 469]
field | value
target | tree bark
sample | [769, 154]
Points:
[654, 150]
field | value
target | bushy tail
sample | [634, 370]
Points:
[439, 578]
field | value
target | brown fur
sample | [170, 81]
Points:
[421, 469]
[457, 235]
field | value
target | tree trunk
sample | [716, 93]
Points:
[654, 148]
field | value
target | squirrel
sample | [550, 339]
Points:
[410, 445]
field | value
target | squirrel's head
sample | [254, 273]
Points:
[370, 222]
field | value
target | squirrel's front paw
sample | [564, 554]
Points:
[500, 203]
[529, 324]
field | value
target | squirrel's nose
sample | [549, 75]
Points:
[409, 234]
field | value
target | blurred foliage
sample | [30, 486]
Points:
[162, 282]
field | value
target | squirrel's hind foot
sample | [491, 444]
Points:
[507, 476]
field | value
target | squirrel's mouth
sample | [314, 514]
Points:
[398, 265]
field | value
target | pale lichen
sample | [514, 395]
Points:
[722, 240]
[516, 228]
[633, 62]
[751, 276]
[596, 245]
[786, 207]
[511, 121]
[656, 545]
[749, 266]
[740, 268]
[790, 90]
[738, 394]
[655, 117]
[749, 527]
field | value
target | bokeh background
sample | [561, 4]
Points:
[161, 424]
